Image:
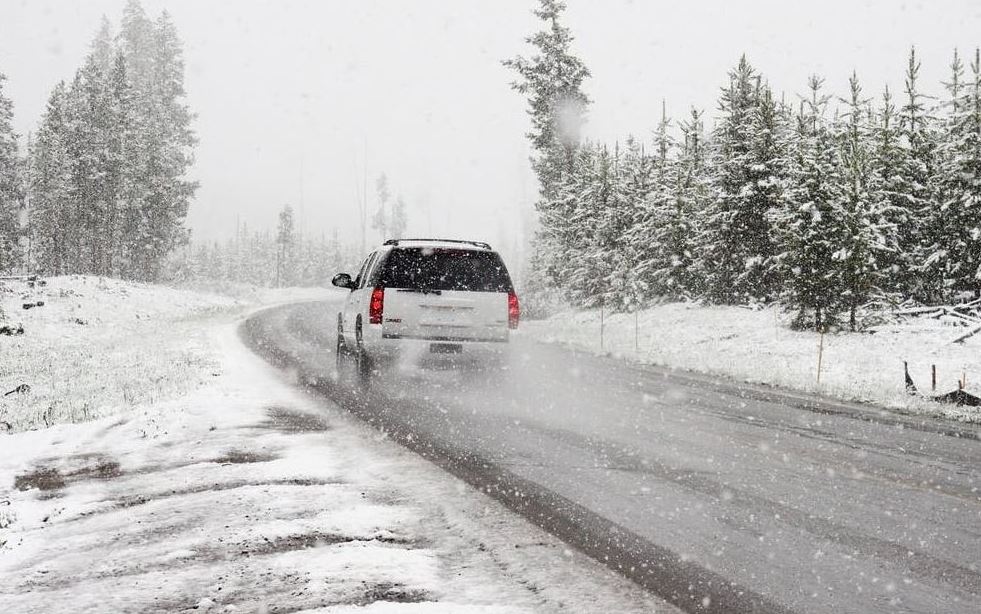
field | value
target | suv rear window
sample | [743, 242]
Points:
[422, 268]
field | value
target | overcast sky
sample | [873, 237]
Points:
[284, 85]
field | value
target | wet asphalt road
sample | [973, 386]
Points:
[717, 496]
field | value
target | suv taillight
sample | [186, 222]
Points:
[514, 310]
[377, 306]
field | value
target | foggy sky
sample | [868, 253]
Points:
[288, 93]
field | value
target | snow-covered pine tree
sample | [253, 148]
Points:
[916, 181]
[50, 186]
[896, 259]
[399, 219]
[622, 291]
[171, 160]
[285, 248]
[11, 186]
[552, 80]
[676, 237]
[119, 139]
[590, 232]
[867, 235]
[159, 153]
[561, 237]
[957, 250]
[768, 177]
[809, 227]
[653, 212]
[738, 255]
[380, 220]
[136, 42]
[82, 106]
[638, 239]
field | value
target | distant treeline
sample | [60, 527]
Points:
[104, 187]
[819, 206]
[265, 259]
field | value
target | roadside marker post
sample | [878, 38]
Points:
[820, 356]
[601, 326]
[636, 333]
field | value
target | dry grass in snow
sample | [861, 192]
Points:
[102, 346]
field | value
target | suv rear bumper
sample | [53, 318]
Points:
[422, 349]
[441, 339]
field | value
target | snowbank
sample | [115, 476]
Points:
[758, 346]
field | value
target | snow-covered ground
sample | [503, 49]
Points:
[239, 492]
[759, 346]
[98, 346]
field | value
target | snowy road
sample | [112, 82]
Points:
[717, 496]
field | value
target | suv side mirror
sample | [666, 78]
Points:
[343, 280]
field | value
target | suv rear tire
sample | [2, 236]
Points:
[364, 365]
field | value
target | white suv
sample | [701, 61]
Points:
[425, 297]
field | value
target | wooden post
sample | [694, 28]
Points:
[601, 326]
[933, 378]
[636, 333]
[820, 356]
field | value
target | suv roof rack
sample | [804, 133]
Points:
[480, 244]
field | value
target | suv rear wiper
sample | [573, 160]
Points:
[421, 290]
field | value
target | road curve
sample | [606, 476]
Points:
[717, 496]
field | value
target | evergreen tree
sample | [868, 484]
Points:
[866, 233]
[136, 42]
[957, 254]
[739, 253]
[639, 244]
[11, 191]
[285, 248]
[563, 235]
[109, 167]
[380, 220]
[168, 190]
[552, 80]
[119, 180]
[916, 181]
[768, 177]
[809, 226]
[610, 255]
[896, 260]
[400, 218]
[51, 187]
[677, 278]
[652, 212]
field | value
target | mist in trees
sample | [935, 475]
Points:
[391, 217]
[265, 258]
[822, 204]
